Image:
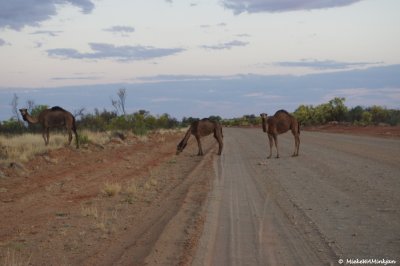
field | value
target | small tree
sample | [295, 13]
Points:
[14, 107]
[119, 104]
[30, 105]
[338, 109]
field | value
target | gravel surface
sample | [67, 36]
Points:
[338, 200]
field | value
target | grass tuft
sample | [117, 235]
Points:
[89, 211]
[111, 189]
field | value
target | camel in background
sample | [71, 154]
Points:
[280, 123]
[201, 129]
[50, 118]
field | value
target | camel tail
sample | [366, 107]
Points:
[298, 127]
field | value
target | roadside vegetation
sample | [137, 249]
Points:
[334, 111]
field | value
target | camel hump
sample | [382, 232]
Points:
[57, 108]
[282, 112]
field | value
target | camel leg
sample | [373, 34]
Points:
[276, 145]
[44, 136]
[47, 135]
[69, 137]
[199, 144]
[76, 138]
[295, 145]
[298, 144]
[220, 143]
[271, 140]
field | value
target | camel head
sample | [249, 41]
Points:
[264, 117]
[24, 113]
[180, 147]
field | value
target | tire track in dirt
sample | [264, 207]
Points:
[167, 232]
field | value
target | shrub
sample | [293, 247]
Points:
[111, 189]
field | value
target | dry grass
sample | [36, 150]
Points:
[12, 258]
[24, 147]
[96, 137]
[111, 189]
[89, 211]
[132, 189]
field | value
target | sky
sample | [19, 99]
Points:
[199, 58]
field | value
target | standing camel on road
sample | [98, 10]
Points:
[280, 123]
[50, 118]
[201, 129]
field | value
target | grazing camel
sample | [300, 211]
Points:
[200, 129]
[50, 118]
[280, 123]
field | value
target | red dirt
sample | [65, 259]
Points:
[377, 131]
[54, 210]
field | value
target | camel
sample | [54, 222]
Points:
[199, 129]
[280, 123]
[50, 118]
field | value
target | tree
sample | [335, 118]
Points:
[14, 107]
[79, 113]
[119, 104]
[355, 114]
[30, 105]
[338, 109]
[304, 114]
[378, 114]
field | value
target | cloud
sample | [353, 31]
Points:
[120, 53]
[324, 64]
[16, 14]
[256, 6]
[363, 93]
[51, 33]
[120, 29]
[38, 44]
[206, 26]
[76, 78]
[2, 42]
[262, 95]
[227, 45]
[165, 99]
[159, 78]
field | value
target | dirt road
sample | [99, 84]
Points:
[340, 199]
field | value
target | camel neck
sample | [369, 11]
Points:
[31, 119]
[187, 135]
